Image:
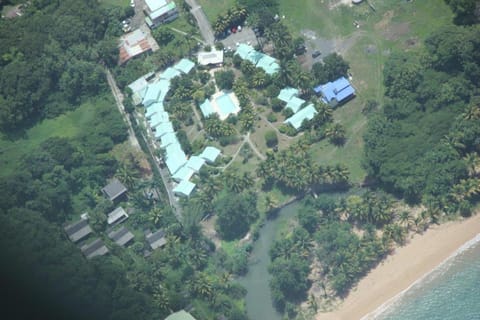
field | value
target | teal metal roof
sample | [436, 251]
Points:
[158, 118]
[210, 154]
[175, 157]
[180, 315]
[268, 64]
[306, 113]
[156, 92]
[184, 188]
[169, 73]
[287, 93]
[184, 173]
[184, 65]
[168, 138]
[243, 50]
[163, 129]
[154, 108]
[195, 163]
[207, 108]
[295, 104]
[226, 106]
[163, 10]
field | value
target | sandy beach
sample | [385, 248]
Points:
[400, 270]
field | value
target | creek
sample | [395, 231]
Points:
[256, 281]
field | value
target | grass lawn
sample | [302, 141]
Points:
[213, 8]
[115, 3]
[68, 125]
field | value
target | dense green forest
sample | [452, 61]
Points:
[425, 142]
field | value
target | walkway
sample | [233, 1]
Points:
[202, 21]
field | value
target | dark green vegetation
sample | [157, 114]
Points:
[52, 66]
[419, 146]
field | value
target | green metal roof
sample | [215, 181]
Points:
[184, 65]
[175, 157]
[295, 104]
[306, 113]
[210, 154]
[169, 73]
[184, 173]
[184, 188]
[287, 93]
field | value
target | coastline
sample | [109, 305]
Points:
[404, 267]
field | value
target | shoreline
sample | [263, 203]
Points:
[399, 271]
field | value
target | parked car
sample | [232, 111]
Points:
[315, 54]
[132, 3]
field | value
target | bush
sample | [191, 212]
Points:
[277, 104]
[225, 79]
[272, 117]
[271, 138]
[288, 130]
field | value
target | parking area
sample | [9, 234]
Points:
[246, 36]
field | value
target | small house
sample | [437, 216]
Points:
[156, 239]
[121, 236]
[78, 230]
[336, 92]
[117, 216]
[212, 58]
[94, 248]
[115, 190]
[210, 154]
[158, 12]
[184, 188]
[297, 119]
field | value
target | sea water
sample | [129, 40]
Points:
[451, 291]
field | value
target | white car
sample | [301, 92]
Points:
[132, 3]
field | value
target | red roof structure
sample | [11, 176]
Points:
[133, 44]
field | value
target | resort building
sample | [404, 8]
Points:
[117, 216]
[158, 12]
[259, 59]
[139, 87]
[180, 315]
[121, 236]
[210, 154]
[115, 190]
[184, 66]
[94, 249]
[134, 44]
[195, 163]
[156, 239]
[222, 103]
[212, 58]
[297, 119]
[78, 230]
[184, 188]
[156, 92]
[286, 94]
[336, 92]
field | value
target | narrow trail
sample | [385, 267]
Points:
[254, 148]
[274, 128]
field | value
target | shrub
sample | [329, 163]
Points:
[277, 104]
[271, 138]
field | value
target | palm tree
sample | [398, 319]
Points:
[406, 219]
[155, 215]
[472, 112]
[336, 134]
[127, 175]
[270, 205]
[472, 161]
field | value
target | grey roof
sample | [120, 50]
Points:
[121, 236]
[157, 239]
[95, 248]
[78, 230]
[114, 189]
[117, 215]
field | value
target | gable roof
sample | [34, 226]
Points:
[175, 158]
[184, 188]
[297, 119]
[184, 65]
[168, 139]
[180, 315]
[259, 59]
[339, 90]
[213, 57]
[158, 118]
[287, 93]
[114, 189]
[154, 108]
[121, 236]
[78, 230]
[207, 108]
[184, 173]
[156, 239]
[195, 163]
[210, 154]
[117, 215]
[169, 74]
[133, 44]
[295, 104]
[162, 129]
[94, 248]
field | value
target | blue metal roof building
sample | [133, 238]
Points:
[335, 92]
[297, 119]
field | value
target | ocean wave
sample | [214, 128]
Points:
[390, 305]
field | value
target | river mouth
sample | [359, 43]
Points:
[256, 281]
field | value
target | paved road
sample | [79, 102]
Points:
[202, 21]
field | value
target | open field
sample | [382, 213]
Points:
[115, 3]
[213, 8]
[68, 125]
